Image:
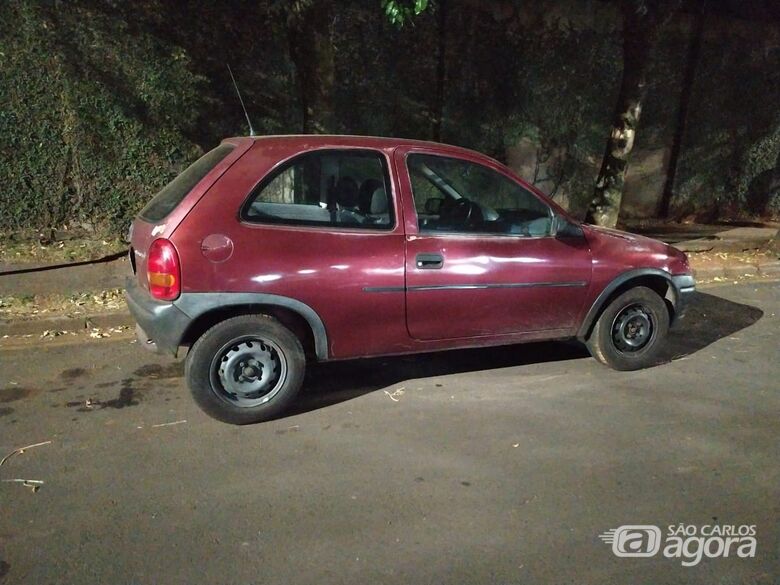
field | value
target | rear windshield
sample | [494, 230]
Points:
[172, 194]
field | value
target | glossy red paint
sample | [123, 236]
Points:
[144, 233]
[616, 252]
[365, 284]
[556, 270]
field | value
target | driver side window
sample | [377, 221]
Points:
[457, 196]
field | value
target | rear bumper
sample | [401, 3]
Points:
[161, 325]
[684, 288]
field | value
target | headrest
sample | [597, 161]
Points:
[347, 192]
[379, 201]
[367, 189]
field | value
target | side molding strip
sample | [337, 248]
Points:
[423, 287]
[578, 283]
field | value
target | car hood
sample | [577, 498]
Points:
[626, 239]
[632, 250]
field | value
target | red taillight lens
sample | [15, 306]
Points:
[163, 271]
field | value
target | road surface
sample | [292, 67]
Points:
[481, 466]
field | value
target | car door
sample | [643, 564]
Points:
[480, 256]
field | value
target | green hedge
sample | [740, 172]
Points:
[102, 102]
[93, 119]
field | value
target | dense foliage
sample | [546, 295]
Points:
[732, 161]
[102, 102]
[92, 116]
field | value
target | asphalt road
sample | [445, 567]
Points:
[485, 466]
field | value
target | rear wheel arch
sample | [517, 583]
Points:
[296, 316]
[656, 280]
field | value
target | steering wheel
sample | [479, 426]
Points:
[460, 207]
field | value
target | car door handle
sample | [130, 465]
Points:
[429, 261]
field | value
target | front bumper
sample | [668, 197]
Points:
[684, 288]
[161, 325]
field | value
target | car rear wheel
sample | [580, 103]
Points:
[631, 331]
[245, 369]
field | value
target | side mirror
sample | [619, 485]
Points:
[433, 205]
[563, 228]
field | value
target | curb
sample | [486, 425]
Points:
[72, 323]
[768, 269]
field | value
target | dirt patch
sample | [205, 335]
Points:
[107, 384]
[73, 373]
[13, 394]
[156, 371]
[128, 396]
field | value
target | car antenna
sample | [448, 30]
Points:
[240, 99]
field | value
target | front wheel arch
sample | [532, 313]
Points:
[656, 280]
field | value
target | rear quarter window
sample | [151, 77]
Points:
[345, 188]
[174, 192]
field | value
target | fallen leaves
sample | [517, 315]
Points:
[98, 333]
[32, 247]
[33, 484]
[396, 394]
[55, 333]
[103, 301]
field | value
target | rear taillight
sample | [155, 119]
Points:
[162, 270]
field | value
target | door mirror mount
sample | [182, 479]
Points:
[563, 228]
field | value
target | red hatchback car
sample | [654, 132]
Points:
[270, 251]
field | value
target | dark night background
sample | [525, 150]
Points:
[102, 102]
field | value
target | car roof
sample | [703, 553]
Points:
[304, 142]
[307, 141]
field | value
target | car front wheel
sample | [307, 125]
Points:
[631, 331]
[245, 369]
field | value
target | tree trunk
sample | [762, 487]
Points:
[694, 51]
[311, 50]
[441, 71]
[641, 22]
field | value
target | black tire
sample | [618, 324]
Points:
[256, 346]
[631, 331]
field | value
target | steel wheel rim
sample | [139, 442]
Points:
[248, 371]
[633, 328]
